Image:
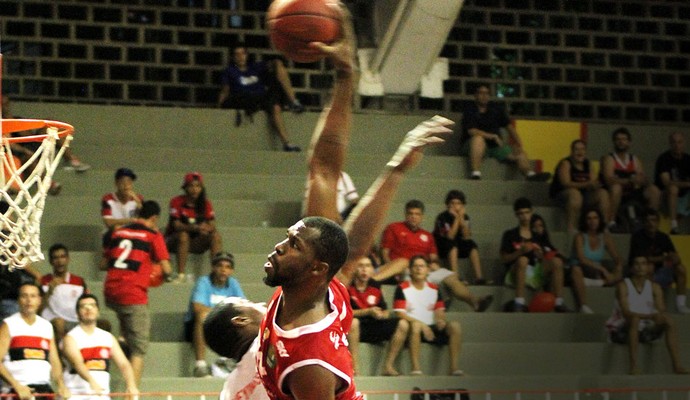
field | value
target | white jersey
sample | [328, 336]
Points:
[639, 302]
[62, 302]
[28, 355]
[346, 193]
[96, 350]
[244, 383]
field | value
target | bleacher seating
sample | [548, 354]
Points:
[257, 192]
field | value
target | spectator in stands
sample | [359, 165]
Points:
[482, 123]
[347, 196]
[419, 303]
[10, 281]
[89, 350]
[128, 255]
[373, 322]
[549, 259]
[672, 174]
[61, 290]
[452, 235]
[121, 206]
[404, 239]
[639, 316]
[208, 291]
[192, 226]
[587, 264]
[657, 246]
[26, 150]
[28, 351]
[524, 259]
[575, 185]
[623, 176]
[251, 86]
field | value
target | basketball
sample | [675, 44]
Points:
[542, 302]
[293, 24]
[156, 278]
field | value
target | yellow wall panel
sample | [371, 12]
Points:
[548, 141]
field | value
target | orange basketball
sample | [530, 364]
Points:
[542, 302]
[156, 278]
[293, 24]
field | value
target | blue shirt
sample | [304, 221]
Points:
[206, 293]
[249, 82]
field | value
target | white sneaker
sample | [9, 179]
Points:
[586, 310]
[683, 309]
[76, 165]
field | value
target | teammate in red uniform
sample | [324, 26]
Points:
[128, 256]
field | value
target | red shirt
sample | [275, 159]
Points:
[183, 212]
[131, 251]
[402, 242]
[323, 343]
[370, 297]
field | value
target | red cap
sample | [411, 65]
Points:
[192, 176]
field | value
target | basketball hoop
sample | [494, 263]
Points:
[24, 188]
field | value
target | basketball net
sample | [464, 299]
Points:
[24, 188]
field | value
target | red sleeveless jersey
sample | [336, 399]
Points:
[323, 343]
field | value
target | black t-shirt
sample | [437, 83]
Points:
[641, 244]
[444, 221]
[678, 168]
[492, 120]
[576, 175]
[512, 240]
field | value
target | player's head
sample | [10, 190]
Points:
[315, 246]
[232, 325]
[222, 268]
[87, 308]
[149, 209]
[414, 213]
[58, 255]
[29, 299]
[124, 179]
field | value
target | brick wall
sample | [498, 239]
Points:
[604, 60]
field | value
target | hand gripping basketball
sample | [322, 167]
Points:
[409, 152]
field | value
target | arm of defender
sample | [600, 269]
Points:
[366, 219]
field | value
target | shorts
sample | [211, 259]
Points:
[663, 275]
[648, 334]
[440, 337]
[436, 277]
[135, 325]
[372, 330]
[534, 277]
[500, 153]
[464, 247]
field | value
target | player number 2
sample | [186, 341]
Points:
[126, 246]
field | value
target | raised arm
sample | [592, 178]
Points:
[366, 219]
[329, 142]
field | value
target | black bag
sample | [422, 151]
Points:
[439, 396]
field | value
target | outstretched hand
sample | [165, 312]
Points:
[409, 153]
[341, 53]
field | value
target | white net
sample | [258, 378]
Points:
[24, 188]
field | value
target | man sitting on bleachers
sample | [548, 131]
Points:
[661, 253]
[672, 175]
[639, 316]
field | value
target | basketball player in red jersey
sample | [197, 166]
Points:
[128, 256]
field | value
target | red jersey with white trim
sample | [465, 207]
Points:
[402, 242]
[131, 251]
[183, 212]
[371, 296]
[323, 343]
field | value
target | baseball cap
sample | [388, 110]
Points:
[223, 256]
[125, 172]
[192, 176]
